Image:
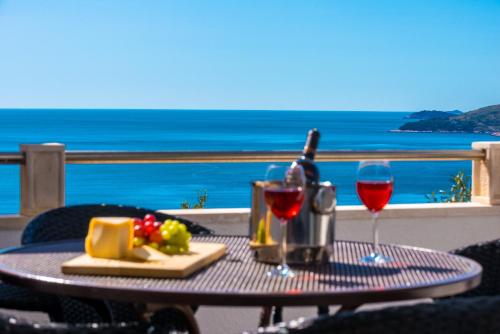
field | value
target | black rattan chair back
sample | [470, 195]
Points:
[14, 325]
[487, 254]
[479, 315]
[71, 222]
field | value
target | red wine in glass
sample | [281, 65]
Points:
[374, 194]
[284, 194]
[374, 187]
[285, 203]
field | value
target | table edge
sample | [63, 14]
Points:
[231, 298]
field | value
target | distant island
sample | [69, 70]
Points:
[432, 114]
[482, 120]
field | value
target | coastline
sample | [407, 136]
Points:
[494, 134]
[479, 121]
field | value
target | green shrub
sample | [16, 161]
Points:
[202, 199]
[460, 191]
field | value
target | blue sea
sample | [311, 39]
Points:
[166, 186]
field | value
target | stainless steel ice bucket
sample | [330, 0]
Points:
[310, 235]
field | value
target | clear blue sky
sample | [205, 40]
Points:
[323, 55]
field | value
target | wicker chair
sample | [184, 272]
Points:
[476, 315]
[14, 325]
[487, 254]
[72, 223]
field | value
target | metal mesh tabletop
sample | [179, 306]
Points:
[237, 279]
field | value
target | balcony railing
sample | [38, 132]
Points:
[43, 172]
[265, 156]
[113, 157]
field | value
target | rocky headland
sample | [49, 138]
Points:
[482, 120]
[432, 114]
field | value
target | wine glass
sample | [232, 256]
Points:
[284, 194]
[374, 187]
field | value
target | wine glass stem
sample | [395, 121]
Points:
[375, 232]
[283, 241]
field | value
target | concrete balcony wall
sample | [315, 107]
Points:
[11, 227]
[442, 226]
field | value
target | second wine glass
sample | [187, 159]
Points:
[284, 194]
[374, 187]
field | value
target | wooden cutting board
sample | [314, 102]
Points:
[175, 266]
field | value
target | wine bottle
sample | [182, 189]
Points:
[311, 171]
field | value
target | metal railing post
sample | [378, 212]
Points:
[486, 174]
[42, 178]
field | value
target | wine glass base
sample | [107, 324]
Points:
[376, 258]
[281, 271]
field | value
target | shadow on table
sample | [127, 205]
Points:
[339, 273]
[436, 270]
[48, 247]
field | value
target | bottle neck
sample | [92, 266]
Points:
[311, 144]
[308, 154]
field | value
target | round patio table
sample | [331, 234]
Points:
[237, 279]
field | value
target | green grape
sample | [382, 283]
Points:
[154, 245]
[175, 239]
[182, 228]
[139, 241]
[171, 249]
[165, 234]
[184, 238]
[184, 245]
[173, 229]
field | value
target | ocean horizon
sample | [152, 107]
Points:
[166, 186]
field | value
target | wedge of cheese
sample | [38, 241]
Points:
[110, 237]
[147, 253]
